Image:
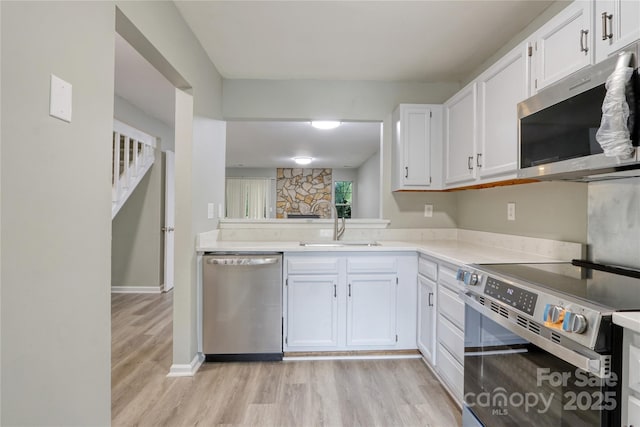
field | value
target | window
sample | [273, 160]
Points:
[344, 198]
[247, 197]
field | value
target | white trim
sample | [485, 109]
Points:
[136, 289]
[355, 357]
[227, 223]
[187, 370]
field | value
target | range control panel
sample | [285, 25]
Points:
[520, 299]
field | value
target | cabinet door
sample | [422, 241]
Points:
[427, 318]
[417, 145]
[312, 311]
[371, 310]
[617, 24]
[460, 140]
[564, 44]
[500, 89]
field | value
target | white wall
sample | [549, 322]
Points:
[347, 100]
[56, 214]
[367, 200]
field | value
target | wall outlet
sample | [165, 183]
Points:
[428, 211]
[511, 211]
[60, 99]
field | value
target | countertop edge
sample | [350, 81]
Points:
[628, 319]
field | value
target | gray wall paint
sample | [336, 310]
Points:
[551, 210]
[137, 247]
[347, 100]
[137, 257]
[614, 222]
[367, 199]
[163, 26]
[56, 220]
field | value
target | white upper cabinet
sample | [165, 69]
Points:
[564, 44]
[617, 23]
[416, 128]
[460, 136]
[500, 89]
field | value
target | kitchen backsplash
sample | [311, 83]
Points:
[614, 222]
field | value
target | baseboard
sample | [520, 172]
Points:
[136, 289]
[189, 370]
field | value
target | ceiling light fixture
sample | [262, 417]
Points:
[302, 160]
[325, 124]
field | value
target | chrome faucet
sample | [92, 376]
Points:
[337, 231]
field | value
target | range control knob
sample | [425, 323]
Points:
[576, 323]
[473, 279]
[555, 314]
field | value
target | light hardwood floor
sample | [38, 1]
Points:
[303, 393]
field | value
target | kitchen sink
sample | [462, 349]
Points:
[339, 243]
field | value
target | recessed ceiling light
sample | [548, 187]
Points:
[325, 124]
[302, 160]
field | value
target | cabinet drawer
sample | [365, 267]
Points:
[451, 371]
[451, 307]
[451, 337]
[448, 279]
[312, 265]
[428, 269]
[633, 413]
[372, 265]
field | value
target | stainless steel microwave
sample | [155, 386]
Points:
[557, 126]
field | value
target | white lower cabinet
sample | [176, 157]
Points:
[371, 309]
[366, 303]
[313, 310]
[631, 379]
[427, 319]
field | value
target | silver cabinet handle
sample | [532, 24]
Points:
[335, 290]
[406, 171]
[583, 41]
[478, 160]
[430, 302]
[606, 34]
[168, 229]
[470, 162]
[349, 289]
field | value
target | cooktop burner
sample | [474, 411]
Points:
[581, 280]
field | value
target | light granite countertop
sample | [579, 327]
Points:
[628, 319]
[452, 251]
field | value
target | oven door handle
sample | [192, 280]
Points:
[595, 365]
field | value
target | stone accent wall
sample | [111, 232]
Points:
[299, 189]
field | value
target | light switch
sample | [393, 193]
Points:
[511, 211]
[210, 210]
[428, 211]
[60, 99]
[220, 211]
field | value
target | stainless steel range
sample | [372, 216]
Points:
[540, 346]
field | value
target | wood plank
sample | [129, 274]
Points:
[381, 392]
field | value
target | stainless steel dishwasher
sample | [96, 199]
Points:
[242, 306]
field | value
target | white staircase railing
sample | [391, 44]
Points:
[133, 155]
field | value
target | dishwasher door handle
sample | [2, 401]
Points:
[243, 261]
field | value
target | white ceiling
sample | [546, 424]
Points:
[425, 41]
[273, 144]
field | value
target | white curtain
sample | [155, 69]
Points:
[247, 197]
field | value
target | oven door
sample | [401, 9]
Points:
[509, 381]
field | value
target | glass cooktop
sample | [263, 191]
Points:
[589, 283]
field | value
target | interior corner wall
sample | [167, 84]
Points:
[549, 210]
[162, 25]
[137, 258]
[349, 100]
[56, 214]
[367, 198]
[137, 249]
